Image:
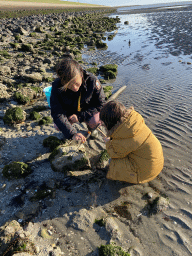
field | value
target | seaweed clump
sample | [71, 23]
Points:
[14, 116]
[100, 222]
[109, 71]
[35, 115]
[16, 170]
[108, 91]
[20, 98]
[52, 142]
[45, 120]
[93, 70]
[112, 250]
[104, 156]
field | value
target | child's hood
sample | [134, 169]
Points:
[128, 127]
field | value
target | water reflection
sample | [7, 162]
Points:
[173, 31]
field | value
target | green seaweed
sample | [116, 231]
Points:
[5, 54]
[32, 34]
[100, 222]
[13, 116]
[39, 108]
[16, 170]
[15, 45]
[93, 70]
[36, 89]
[17, 37]
[39, 29]
[20, 98]
[48, 79]
[19, 245]
[112, 250]
[107, 88]
[107, 67]
[53, 154]
[110, 75]
[104, 156]
[46, 120]
[52, 142]
[80, 163]
[26, 48]
[101, 45]
[35, 115]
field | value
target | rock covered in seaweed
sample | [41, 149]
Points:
[109, 71]
[16, 170]
[69, 157]
[14, 115]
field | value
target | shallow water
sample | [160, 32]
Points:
[157, 71]
[154, 68]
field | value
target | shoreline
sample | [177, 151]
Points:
[154, 9]
[14, 5]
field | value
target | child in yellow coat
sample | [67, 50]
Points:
[136, 154]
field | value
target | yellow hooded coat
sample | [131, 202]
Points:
[136, 154]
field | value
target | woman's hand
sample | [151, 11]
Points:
[105, 139]
[79, 136]
[73, 119]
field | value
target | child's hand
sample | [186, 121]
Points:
[79, 136]
[105, 139]
[73, 119]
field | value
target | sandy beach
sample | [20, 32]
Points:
[156, 68]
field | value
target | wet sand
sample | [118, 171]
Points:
[156, 68]
[158, 81]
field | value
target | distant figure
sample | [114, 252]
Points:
[76, 96]
[136, 154]
[129, 43]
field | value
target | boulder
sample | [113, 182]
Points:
[5, 70]
[21, 31]
[69, 157]
[16, 170]
[85, 219]
[52, 142]
[26, 94]
[8, 234]
[113, 229]
[33, 78]
[46, 60]
[4, 95]
[158, 204]
[14, 115]
[107, 67]
[28, 212]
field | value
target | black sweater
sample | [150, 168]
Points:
[65, 103]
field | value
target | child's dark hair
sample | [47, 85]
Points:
[111, 113]
[67, 69]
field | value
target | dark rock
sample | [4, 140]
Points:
[8, 234]
[28, 212]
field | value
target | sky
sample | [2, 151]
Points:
[128, 2]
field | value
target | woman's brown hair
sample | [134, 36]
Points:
[111, 113]
[67, 70]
